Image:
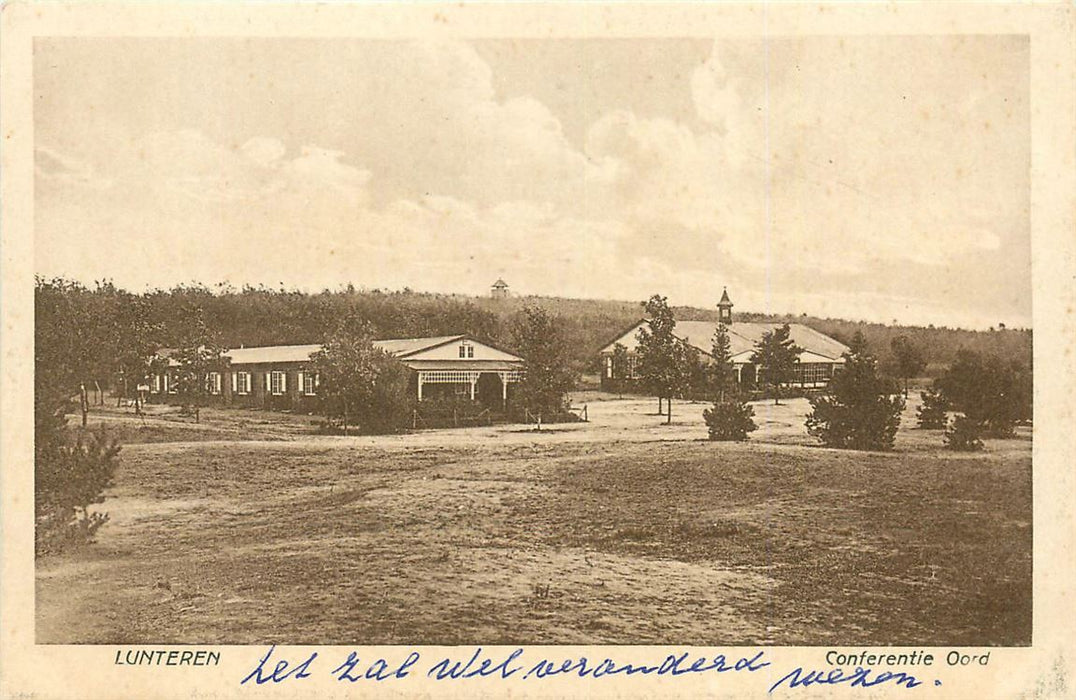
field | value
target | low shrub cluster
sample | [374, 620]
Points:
[964, 435]
[729, 420]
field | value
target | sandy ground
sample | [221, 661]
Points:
[247, 529]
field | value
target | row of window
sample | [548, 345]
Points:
[630, 371]
[809, 373]
[276, 383]
[813, 372]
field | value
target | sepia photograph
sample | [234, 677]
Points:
[649, 340]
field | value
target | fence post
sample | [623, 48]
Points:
[414, 419]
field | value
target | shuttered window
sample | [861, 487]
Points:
[278, 383]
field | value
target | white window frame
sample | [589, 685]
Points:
[310, 384]
[171, 381]
[213, 383]
[278, 383]
[156, 386]
[242, 383]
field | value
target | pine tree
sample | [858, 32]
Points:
[987, 390]
[663, 359]
[620, 368]
[730, 418]
[909, 359]
[776, 355]
[860, 410]
[547, 375]
[722, 371]
[931, 414]
[964, 435]
[199, 355]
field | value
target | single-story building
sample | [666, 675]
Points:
[279, 376]
[821, 358]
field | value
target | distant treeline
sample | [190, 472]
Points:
[98, 319]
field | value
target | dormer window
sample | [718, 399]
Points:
[466, 350]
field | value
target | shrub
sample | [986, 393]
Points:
[69, 478]
[362, 384]
[931, 414]
[729, 420]
[860, 411]
[964, 435]
[988, 390]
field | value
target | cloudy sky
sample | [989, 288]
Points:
[860, 177]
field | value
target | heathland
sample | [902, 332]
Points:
[246, 528]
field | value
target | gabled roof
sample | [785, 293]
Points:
[804, 336]
[742, 337]
[725, 298]
[272, 354]
[401, 348]
[500, 283]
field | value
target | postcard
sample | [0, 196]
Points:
[551, 350]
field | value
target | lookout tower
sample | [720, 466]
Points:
[724, 308]
[499, 290]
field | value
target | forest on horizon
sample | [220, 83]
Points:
[253, 316]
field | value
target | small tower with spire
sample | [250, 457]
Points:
[724, 308]
[499, 289]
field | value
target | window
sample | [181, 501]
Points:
[212, 383]
[242, 383]
[310, 383]
[466, 350]
[609, 367]
[815, 372]
[156, 384]
[277, 383]
[172, 383]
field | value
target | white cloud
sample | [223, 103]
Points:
[263, 150]
[819, 175]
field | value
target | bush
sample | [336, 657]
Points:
[931, 414]
[729, 420]
[361, 384]
[860, 411]
[994, 393]
[964, 435]
[69, 478]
